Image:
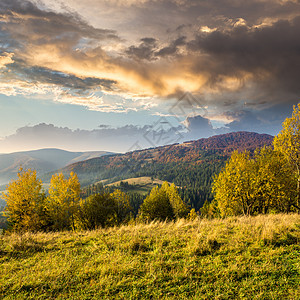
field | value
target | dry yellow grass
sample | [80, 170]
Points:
[234, 258]
[138, 180]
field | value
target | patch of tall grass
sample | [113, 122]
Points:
[233, 258]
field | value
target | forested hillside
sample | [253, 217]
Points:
[190, 165]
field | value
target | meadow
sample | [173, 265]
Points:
[234, 258]
[141, 185]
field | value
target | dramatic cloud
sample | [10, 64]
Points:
[247, 54]
[238, 58]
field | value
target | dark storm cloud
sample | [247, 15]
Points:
[160, 18]
[172, 48]
[145, 50]
[271, 53]
[150, 49]
[264, 121]
[264, 63]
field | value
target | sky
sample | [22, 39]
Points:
[121, 75]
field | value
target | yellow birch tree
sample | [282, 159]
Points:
[288, 143]
[63, 201]
[25, 202]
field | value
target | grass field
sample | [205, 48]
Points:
[235, 258]
[141, 185]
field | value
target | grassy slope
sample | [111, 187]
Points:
[236, 258]
[138, 180]
[141, 185]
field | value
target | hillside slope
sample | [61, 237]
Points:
[192, 152]
[190, 165]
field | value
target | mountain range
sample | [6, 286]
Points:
[43, 161]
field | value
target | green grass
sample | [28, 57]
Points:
[141, 185]
[235, 258]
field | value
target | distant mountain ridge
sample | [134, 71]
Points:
[165, 160]
[42, 160]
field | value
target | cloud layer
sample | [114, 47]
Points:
[165, 131]
[121, 139]
[237, 58]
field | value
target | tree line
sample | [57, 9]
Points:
[29, 208]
